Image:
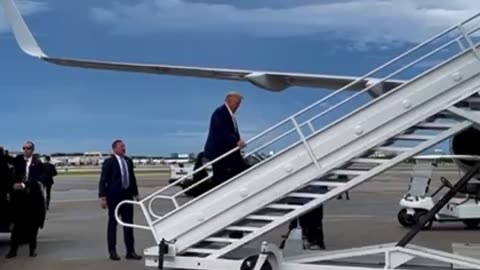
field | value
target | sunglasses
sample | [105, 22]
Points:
[27, 148]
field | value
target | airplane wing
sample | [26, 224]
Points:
[272, 81]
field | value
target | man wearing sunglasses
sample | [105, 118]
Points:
[28, 202]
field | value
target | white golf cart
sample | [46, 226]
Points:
[464, 207]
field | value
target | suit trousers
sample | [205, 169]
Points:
[228, 167]
[48, 191]
[312, 225]
[126, 214]
[23, 233]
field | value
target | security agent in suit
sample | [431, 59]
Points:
[224, 136]
[50, 173]
[118, 183]
[311, 222]
[6, 184]
[5, 178]
[28, 203]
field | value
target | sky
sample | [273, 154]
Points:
[68, 109]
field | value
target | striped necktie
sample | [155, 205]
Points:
[125, 182]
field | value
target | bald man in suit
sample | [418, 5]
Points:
[27, 199]
[118, 183]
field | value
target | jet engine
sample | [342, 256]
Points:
[466, 142]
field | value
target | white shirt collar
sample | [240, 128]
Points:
[228, 108]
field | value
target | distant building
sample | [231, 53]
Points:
[14, 153]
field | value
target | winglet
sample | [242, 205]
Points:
[24, 37]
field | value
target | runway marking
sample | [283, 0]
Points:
[69, 259]
[74, 200]
[350, 216]
[340, 218]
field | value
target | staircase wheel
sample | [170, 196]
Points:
[405, 219]
[249, 264]
[419, 216]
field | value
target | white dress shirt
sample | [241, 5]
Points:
[27, 169]
[233, 117]
[120, 162]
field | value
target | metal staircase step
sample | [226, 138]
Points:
[434, 125]
[220, 240]
[414, 137]
[394, 149]
[261, 218]
[473, 100]
[369, 160]
[201, 250]
[304, 195]
[348, 172]
[241, 228]
[283, 206]
[326, 184]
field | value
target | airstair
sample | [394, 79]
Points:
[422, 112]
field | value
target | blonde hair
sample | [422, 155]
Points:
[233, 94]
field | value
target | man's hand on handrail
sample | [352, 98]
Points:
[241, 143]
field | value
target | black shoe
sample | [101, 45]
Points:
[133, 256]
[316, 246]
[114, 256]
[33, 254]
[11, 254]
[322, 246]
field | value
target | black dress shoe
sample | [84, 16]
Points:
[133, 256]
[33, 253]
[114, 256]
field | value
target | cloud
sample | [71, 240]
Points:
[26, 7]
[377, 21]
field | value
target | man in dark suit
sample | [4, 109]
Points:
[118, 183]
[311, 222]
[28, 202]
[224, 136]
[50, 172]
[6, 184]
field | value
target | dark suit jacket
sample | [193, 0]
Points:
[110, 185]
[50, 172]
[29, 204]
[5, 175]
[36, 170]
[222, 136]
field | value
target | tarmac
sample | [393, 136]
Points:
[74, 236]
